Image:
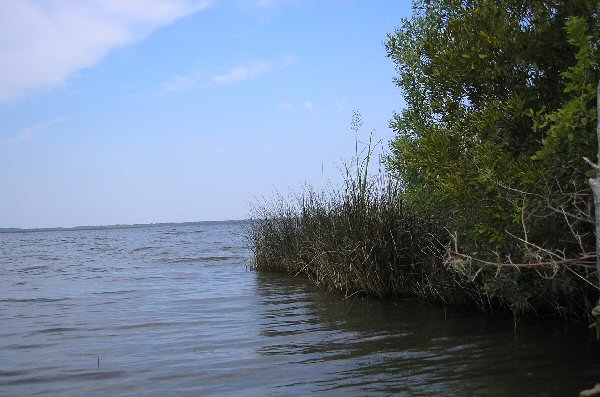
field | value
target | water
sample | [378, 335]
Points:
[172, 310]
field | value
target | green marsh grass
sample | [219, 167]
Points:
[360, 239]
[357, 241]
[373, 243]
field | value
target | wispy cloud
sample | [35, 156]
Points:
[195, 79]
[29, 133]
[270, 4]
[306, 105]
[43, 42]
[243, 72]
[286, 105]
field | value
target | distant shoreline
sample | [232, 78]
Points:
[112, 227]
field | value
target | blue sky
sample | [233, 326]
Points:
[142, 111]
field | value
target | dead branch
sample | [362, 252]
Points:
[585, 261]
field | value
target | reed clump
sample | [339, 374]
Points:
[370, 241]
[361, 240]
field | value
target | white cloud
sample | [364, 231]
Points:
[195, 79]
[266, 4]
[286, 106]
[243, 72]
[306, 105]
[29, 133]
[43, 42]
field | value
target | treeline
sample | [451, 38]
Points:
[486, 201]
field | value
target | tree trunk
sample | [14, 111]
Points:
[595, 185]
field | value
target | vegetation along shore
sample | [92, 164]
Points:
[486, 199]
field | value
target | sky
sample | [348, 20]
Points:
[148, 111]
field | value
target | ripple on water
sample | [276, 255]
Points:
[173, 310]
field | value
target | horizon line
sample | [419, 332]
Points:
[112, 226]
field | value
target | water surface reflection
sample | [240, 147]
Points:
[365, 347]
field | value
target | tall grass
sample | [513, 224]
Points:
[351, 242]
[365, 238]
[369, 241]
[361, 239]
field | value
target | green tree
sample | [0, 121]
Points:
[479, 79]
[500, 110]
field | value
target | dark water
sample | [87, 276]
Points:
[171, 310]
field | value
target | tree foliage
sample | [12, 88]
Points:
[498, 94]
[500, 110]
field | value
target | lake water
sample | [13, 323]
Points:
[169, 310]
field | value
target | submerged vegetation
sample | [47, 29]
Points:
[485, 201]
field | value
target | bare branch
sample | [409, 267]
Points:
[591, 164]
[585, 260]
[549, 204]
